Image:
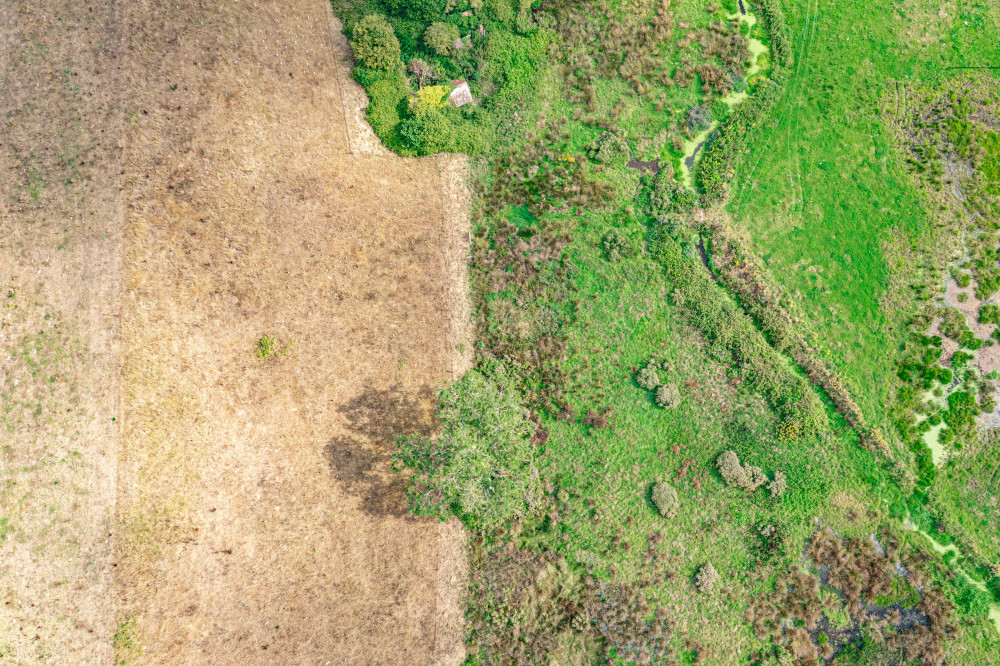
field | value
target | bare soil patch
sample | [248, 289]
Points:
[259, 521]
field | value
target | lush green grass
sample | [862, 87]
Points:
[824, 185]
[822, 188]
[623, 317]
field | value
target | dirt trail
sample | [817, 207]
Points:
[60, 222]
[255, 518]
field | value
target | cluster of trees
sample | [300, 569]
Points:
[401, 47]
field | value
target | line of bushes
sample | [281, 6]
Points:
[745, 277]
[717, 164]
[734, 334]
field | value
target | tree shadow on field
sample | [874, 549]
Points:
[361, 460]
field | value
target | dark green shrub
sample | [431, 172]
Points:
[970, 341]
[421, 11]
[375, 45]
[670, 198]
[501, 11]
[439, 37]
[959, 360]
[386, 98]
[963, 279]
[618, 245]
[428, 132]
[946, 436]
[720, 110]
[989, 314]
[962, 410]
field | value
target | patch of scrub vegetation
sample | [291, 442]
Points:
[127, 642]
[944, 129]
[651, 414]
[267, 347]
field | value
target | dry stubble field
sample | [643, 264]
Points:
[230, 192]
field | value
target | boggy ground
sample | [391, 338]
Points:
[252, 517]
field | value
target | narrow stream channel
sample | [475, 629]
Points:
[692, 146]
[941, 549]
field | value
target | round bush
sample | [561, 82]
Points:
[699, 119]
[728, 464]
[667, 396]
[374, 43]
[617, 245]
[648, 378]
[612, 149]
[665, 498]
[440, 36]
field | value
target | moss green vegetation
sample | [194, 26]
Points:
[676, 389]
[127, 643]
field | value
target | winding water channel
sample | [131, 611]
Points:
[691, 149]
[694, 145]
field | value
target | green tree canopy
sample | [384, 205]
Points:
[481, 465]
[374, 43]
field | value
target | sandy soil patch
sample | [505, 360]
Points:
[60, 222]
[259, 521]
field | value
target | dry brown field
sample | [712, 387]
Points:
[179, 182]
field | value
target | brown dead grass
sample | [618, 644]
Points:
[60, 214]
[198, 156]
[259, 519]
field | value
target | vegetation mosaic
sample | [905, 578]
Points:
[735, 276]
